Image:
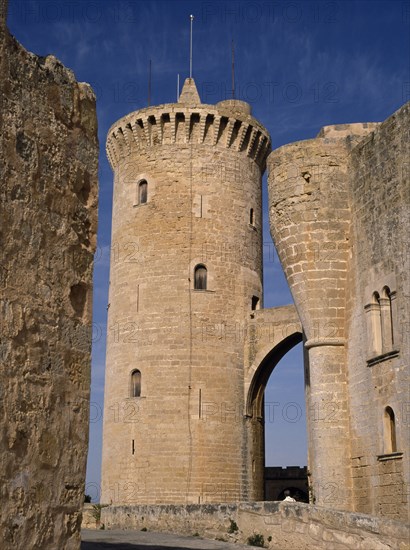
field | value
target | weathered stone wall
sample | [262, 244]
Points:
[180, 441]
[270, 333]
[309, 219]
[379, 376]
[339, 212]
[48, 159]
[89, 520]
[283, 525]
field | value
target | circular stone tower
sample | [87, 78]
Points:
[186, 271]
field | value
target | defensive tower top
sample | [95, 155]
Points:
[228, 124]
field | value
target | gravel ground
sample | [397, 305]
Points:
[139, 540]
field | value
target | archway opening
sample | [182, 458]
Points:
[276, 408]
[285, 448]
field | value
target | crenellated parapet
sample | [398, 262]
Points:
[227, 125]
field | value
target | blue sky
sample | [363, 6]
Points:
[301, 65]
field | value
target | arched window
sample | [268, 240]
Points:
[376, 326]
[200, 275]
[251, 217]
[390, 445]
[142, 192]
[386, 319]
[381, 315]
[135, 383]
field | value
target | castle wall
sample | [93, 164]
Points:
[270, 333]
[281, 524]
[339, 212]
[180, 440]
[378, 378]
[48, 159]
[309, 219]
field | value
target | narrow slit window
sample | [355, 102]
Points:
[389, 431]
[200, 277]
[135, 383]
[142, 192]
[251, 217]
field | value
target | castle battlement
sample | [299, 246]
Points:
[228, 124]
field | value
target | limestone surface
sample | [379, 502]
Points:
[48, 160]
[181, 437]
[282, 525]
[339, 217]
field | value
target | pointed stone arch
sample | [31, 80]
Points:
[271, 334]
[265, 364]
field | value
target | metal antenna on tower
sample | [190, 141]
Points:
[149, 82]
[190, 49]
[233, 70]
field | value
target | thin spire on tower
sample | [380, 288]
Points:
[190, 49]
[233, 70]
[149, 82]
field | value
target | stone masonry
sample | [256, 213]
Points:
[339, 215]
[48, 163]
[194, 432]
[378, 373]
[202, 165]
[190, 347]
[282, 525]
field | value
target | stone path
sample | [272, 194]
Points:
[137, 540]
